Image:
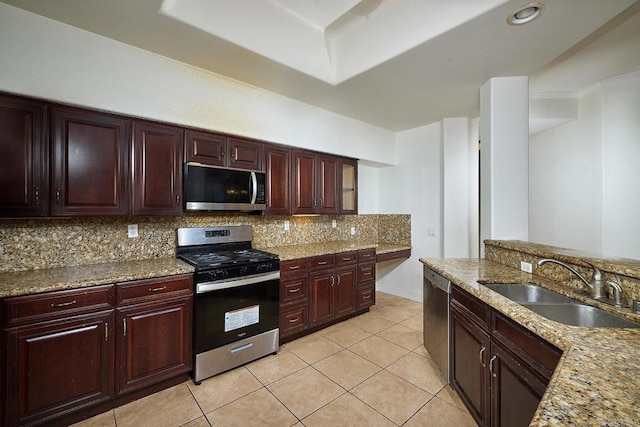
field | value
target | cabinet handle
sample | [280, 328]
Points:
[58, 191]
[233, 154]
[315, 203]
[367, 297]
[482, 350]
[36, 195]
[178, 199]
[157, 289]
[333, 280]
[321, 203]
[221, 153]
[339, 280]
[294, 267]
[293, 291]
[322, 262]
[124, 327]
[491, 366]
[347, 258]
[367, 255]
[106, 332]
[294, 320]
[64, 304]
[366, 273]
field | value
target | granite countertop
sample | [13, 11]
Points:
[55, 279]
[316, 249]
[595, 380]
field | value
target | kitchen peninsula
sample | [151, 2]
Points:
[591, 384]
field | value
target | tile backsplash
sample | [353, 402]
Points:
[55, 242]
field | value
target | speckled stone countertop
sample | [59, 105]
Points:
[55, 279]
[316, 249]
[595, 382]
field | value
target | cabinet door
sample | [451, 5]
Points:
[469, 358]
[244, 154]
[304, 182]
[157, 174]
[516, 390]
[57, 367]
[204, 147]
[23, 164]
[90, 163]
[345, 291]
[154, 342]
[321, 297]
[327, 181]
[348, 181]
[278, 180]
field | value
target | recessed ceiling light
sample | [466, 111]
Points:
[526, 13]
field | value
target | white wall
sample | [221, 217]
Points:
[584, 175]
[413, 186]
[504, 130]
[44, 58]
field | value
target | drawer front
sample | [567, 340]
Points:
[293, 319]
[294, 266]
[320, 262]
[366, 273]
[293, 289]
[366, 255]
[346, 258]
[150, 289]
[366, 296]
[52, 305]
[473, 307]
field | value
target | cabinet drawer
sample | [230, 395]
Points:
[39, 307]
[366, 273]
[366, 296]
[542, 356]
[346, 258]
[294, 266]
[293, 319]
[366, 255]
[150, 289]
[319, 262]
[293, 289]
[470, 305]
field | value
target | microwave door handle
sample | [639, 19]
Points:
[254, 188]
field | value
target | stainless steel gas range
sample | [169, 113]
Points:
[236, 301]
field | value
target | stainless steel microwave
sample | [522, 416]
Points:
[210, 188]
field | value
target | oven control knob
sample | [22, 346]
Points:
[243, 270]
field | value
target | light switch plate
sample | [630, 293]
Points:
[334, 224]
[286, 226]
[353, 231]
[526, 266]
[132, 230]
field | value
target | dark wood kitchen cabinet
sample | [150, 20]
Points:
[278, 169]
[332, 287]
[90, 163]
[315, 183]
[294, 289]
[24, 178]
[366, 278]
[154, 329]
[59, 354]
[348, 181]
[220, 150]
[499, 368]
[157, 169]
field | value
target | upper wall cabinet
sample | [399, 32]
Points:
[157, 169]
[90, 163]
[278, 169]
[304, 182]
[348, 169]
[23, 157]
[219, 150]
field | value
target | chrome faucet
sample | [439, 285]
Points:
[597, 286]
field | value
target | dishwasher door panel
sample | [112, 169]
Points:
[436, 325]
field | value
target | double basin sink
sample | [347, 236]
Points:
[560, 308]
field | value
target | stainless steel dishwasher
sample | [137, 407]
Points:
[436, 293]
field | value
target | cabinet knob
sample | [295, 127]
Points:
[221, 153]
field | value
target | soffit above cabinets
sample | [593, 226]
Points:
[396, 64]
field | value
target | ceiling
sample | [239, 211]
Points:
[396, 64]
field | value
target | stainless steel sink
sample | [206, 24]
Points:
[560, 308]
[580, 315]
[529, 293]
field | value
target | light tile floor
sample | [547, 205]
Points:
[371, 370]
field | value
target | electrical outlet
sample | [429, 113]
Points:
[132, 230]
[353, 231]
[334, 224]
[431, 232]
[286, 226]
[526, 266]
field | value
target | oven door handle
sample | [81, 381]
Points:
[205, 287]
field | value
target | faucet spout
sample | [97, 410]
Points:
[596, 286]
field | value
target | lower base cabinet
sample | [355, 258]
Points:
[499, 368]
[73, 352]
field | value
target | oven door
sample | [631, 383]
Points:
[227, 311]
